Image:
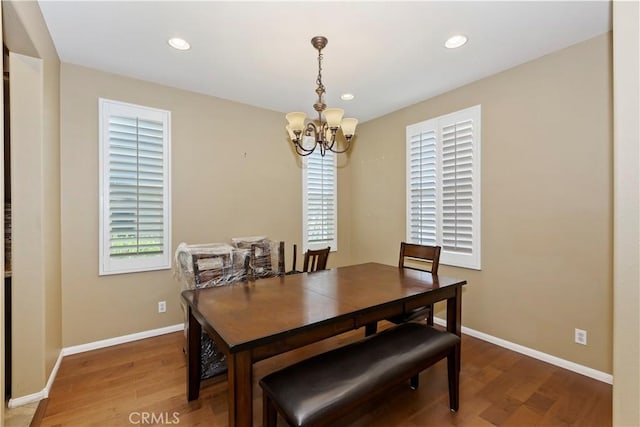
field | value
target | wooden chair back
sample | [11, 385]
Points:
[316, 260]
[419, 252]
[280, 258]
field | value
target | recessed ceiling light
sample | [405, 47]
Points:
[347, 96]
[178, 43]
[455, 41]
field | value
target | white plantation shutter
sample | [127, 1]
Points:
[134, 163]
[320, 203]
[443, 186]
[422, 187]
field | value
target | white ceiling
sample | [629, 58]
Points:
[389, 54]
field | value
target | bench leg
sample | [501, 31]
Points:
[269, 412]
[454, 380]
[370, 329]
[430, 316]
[414, 382]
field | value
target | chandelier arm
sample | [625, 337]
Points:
[330, 143]
[304, 151]
[310, 128]
[341, 151]
[298, 145]
[300, 148]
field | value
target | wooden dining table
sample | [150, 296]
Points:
[254, 320]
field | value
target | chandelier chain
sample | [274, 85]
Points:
[319, 79]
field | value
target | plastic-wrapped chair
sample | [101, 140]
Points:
[266, 257]
[210, 267]
[219, 264]
[201, 266]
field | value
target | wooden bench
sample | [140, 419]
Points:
[321, 389]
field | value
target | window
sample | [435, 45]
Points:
[443, 186]
[135, 227]
[320, 201]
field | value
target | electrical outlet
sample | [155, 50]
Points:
[162, 306]
[581, 336]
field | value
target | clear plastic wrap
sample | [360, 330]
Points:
[220, 264]
[213, 264]
[201, 266]
[266, 257]
[212, 360]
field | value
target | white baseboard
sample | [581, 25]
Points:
[121, 340]
[44, 393]
[562, 363]
[53, 374]
[25, 400]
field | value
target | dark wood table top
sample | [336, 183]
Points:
[246, 314]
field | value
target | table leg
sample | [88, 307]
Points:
[454, 312]
[454, 320]
[240, 389]
[370, 329]
[193, 357]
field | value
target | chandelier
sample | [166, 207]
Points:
[325, 129]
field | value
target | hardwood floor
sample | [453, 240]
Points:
[120, 385]
[20, 416]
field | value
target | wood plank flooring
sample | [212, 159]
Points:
[117, 386]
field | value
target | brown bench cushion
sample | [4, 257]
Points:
[326, 386]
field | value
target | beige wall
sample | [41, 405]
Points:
[546, 200]
[34, 86]
[28, 280]
[626, 332]
[51, 217]
[233, 174]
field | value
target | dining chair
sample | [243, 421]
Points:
[210, 268]
[316, 260]
[421, 254]
[415, 257]
[266, 256]
[418, 256]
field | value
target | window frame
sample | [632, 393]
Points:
[109, 265]
[436, 125]
[333, 243]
